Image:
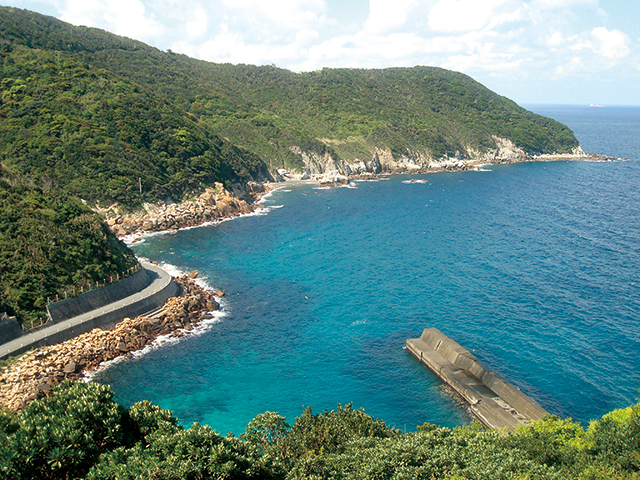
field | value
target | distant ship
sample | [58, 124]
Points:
[594, 105]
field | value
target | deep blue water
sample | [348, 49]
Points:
[533, 267]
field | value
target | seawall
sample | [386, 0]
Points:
[9, 329]
[159, 289]
[495, 402]
[95, 299]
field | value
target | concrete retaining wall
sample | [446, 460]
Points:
[161, 288]
[9, 329]
[106, 319]
[72, 307]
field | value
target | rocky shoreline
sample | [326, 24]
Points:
[217, 204]
[213, 205]
[35, 373]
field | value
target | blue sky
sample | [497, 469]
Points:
[532, 51]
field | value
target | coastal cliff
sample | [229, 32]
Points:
[327, 169]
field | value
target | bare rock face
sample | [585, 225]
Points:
[35, 373]
[213, 205]
[333, 178]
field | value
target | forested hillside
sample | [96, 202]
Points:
[49, 240]
[81, 432]
[130, 110]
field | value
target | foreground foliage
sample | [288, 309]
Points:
[80, 432]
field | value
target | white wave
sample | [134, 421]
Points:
[266, 210]
[141, 237]
[200, 225]
[175, 271]
[377, 179]
[415, 180]
[270, 193]
[162, 341]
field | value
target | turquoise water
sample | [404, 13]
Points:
[533, 267]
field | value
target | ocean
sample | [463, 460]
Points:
[533, 267]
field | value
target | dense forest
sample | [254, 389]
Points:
[81, 432]
[49, 240]
[89, 116]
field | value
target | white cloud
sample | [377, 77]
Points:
[612, 44]
[467, 15]
[198, 25]
[562, 4]
[385, 15]
[556, 40]
[287, 14]
[576, 64]
[123, 17]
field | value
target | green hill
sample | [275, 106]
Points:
[49, 240]
[125, 104]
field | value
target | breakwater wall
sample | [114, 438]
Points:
[492, 400]
[160, 287]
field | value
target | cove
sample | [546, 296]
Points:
[532, 267]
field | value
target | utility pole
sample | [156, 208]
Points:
[140, 184]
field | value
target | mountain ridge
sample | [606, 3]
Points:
[271, 118]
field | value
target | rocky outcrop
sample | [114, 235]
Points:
[35, 373]
[216, 204]
[213, 205]
[322, 168]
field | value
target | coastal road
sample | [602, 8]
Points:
[160, 288]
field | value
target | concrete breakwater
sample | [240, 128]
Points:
[34, 374]
[495, 402]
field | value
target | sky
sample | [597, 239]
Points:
[532, 51]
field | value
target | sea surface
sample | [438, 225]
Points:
[533, 267]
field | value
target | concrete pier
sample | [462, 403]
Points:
[493, 401]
